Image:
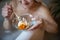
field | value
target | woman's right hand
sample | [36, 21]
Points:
[7, 11]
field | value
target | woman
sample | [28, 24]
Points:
[44, 20]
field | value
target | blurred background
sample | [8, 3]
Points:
[54, 7]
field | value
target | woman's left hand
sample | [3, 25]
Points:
[36, 25]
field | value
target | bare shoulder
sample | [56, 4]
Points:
[44, 11]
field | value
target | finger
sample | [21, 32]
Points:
[7, 5]
[4, 9]
[10, 8]
[4, 13]
[35, 26]
[10, 11]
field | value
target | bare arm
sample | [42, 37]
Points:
[49, 24]
[7, 13]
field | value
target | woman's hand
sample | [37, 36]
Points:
[37, 25]
[7, 11]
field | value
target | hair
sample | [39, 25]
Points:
[15, 3]
[36, 1]
[55, 9]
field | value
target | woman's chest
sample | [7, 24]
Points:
[34, 14]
